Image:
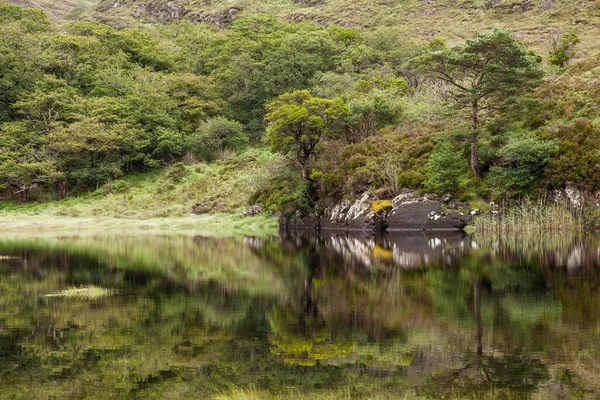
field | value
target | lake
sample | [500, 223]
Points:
[348, 316]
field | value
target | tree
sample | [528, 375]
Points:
[24, 162]
[445, 168]
[483, 76]
[91, 152]
[298, 122]
[370, 113]
[23, 53]
[562, 50]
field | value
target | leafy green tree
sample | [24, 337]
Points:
[563, 49]
[91, 152]
[370, 113]
[23, 53]
[294, 63]
[298, 122]
[483, 76]
[51, 100]
[24, 160]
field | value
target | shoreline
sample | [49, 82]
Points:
[214, 225]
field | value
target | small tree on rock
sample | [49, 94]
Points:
[298, 122]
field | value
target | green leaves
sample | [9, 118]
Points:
[522, 163]
[218, 135]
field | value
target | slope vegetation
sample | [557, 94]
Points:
[537, 22]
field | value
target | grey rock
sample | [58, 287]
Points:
[255, 209]
[409, 211]
[547, 5]
[202, 208]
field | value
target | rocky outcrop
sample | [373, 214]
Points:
[172, 11]
[161, 12]
[407, 212]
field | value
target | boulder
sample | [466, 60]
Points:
[255, 209]
[357, 215]
[408, 211]
[413, 212]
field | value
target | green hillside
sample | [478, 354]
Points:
[535, 21]
[355, 96]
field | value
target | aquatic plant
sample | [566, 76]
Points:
[87, 292]
[530, 218]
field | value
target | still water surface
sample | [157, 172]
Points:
[402, 316]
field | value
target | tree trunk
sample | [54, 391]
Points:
[61, 189]
[24, 195]
[306, 170]
[475, 166]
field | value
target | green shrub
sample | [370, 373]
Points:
[218, 135]
[176, 172]
[445, 168]
[522, 163]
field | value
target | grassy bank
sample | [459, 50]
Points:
[217, 225]
[157, 202]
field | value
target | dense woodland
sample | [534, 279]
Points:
[83, 105]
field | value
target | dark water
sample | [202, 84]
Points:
[405, 316]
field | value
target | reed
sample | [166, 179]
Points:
[531, 218]
[89, 292]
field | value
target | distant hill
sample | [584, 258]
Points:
[538, 22]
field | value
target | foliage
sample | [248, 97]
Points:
[446, 168]
[83, 105]
[562, 50]
[390, 160]
[522, 163]
[380, 206]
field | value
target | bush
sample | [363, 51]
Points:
[522, 164]
[217, 136]
[176, 172]
[445, 168]
[578, 161]
[388, 160]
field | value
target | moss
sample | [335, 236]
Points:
[379, 206]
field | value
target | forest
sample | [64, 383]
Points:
[341, 110]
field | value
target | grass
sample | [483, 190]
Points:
[530, 218]
[341, 394]
[157, 202]
[89, 292]
[215, 225]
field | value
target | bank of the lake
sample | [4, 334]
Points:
[214, 225]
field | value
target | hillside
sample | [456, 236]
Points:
[535, 21]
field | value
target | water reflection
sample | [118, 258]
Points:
[342, 315]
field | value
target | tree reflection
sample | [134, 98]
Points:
[365, 317]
